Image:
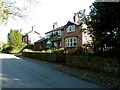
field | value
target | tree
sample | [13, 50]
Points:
[104, 24]
[8, 9]
[53, 36]
[82, 14]
[15, 38]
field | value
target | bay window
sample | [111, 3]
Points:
[71, 42]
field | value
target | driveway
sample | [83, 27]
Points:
[21, 73]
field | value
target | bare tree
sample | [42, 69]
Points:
[9, 9]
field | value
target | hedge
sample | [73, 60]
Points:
[52, 57]
[96, 64]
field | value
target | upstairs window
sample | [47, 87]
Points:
[47, 35]
[59, 32]
[71, 28]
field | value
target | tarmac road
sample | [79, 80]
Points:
[21, 73]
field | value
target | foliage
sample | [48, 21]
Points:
[53, 36]
[26, 50]
[14, 42]
[9, 49]
[81, 51]
[104, 25]
[43, 51]
[49, 50]
[6, 48]
[13, 50]
[22, 46]
[82, 15]
[29, 46]
[9, 9]
[77, 51]
[61, 50]
[15, 39]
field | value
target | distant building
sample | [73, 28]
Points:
[31, 37]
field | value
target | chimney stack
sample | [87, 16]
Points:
[55, 25]
[33, 28]
[76, 18]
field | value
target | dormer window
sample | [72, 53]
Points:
[71, 28]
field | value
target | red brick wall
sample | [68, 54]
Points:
[26, 39]
[77, 33]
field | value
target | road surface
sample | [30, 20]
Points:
[21, 73]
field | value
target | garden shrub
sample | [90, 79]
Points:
[43, 51]
[22, 46]
[61, 50]
[49, 51]
[26, 50]
[77, 51]
[6, 48]
[29, 46]
[12, 49]
[81, 51]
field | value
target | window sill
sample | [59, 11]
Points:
[70, 31]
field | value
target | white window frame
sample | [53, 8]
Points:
[59, 32]
[71, 28]
[71, 42]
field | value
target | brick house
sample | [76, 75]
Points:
[72, 35]
[75, 35]
[31, 37]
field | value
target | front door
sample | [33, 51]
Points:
[58, 44]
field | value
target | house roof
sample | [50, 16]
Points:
[59, 28]
[58, 39]
[31, 32]
[72, 23]
[39, 41]
[62, 27]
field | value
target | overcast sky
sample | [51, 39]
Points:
[42, 15]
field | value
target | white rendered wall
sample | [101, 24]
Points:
[33, 37]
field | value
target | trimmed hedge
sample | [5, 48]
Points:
[96, 64]
[52, 57]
